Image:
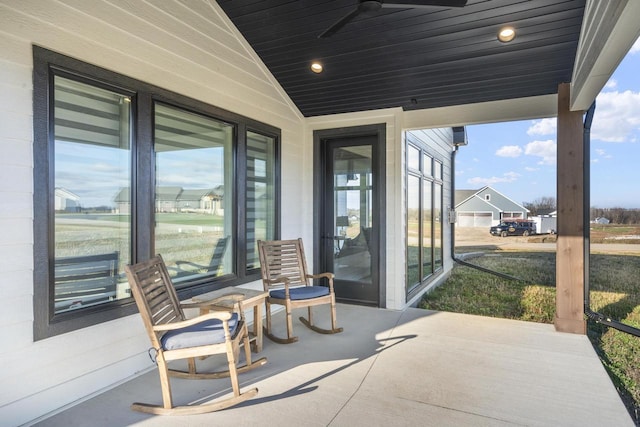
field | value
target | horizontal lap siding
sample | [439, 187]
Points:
[184, 46]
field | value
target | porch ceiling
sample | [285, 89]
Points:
[411, 58]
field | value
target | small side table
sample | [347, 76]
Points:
[251, 298]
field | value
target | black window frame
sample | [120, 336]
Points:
[432, 177]
[46, 65]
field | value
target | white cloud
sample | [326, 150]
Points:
[611, 84]
[530, 169]
[636, 47]
[543, 127]
[544, 149]
[509, 151]
[617, 116]
[600, 152]
[480, 181]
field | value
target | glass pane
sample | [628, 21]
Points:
[413, 157]
[193, 203]
[92, 172]
[427, 168]
[427, 267]
[413, 231]
[437, 218]
[260, 194]
[352, 213]
[437, 170]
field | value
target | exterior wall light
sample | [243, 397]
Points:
[506, 34]
[316, 67]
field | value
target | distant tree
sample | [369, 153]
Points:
[541, 204]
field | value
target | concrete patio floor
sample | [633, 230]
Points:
[392, 368]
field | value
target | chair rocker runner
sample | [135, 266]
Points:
[285, 278]
[174, 337]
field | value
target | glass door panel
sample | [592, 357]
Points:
[350, 198]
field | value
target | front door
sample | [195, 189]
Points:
[350, 216]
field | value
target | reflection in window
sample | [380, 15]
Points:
[437, 218]
[427, 168]
[104, 198]
[437, 170]
[92, 163]
[424, 214]
[413, 229]
[193, 207]
[413, 157]
[427, 234]
[261, 180]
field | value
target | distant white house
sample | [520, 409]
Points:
[485, 207]
[601, 220]
[177, 199]
[66, 201]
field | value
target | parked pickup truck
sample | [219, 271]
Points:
[513, 228]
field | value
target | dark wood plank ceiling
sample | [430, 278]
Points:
[411, 58]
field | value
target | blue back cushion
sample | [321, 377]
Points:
[203, 333]
[304, 292]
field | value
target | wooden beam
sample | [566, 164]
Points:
[570, 265]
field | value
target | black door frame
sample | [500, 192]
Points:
[320, 138]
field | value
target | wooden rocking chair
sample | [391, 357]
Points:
[284, 276]
[174, 337]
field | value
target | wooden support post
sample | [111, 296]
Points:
[570, 247]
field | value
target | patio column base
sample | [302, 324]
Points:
[571, 326]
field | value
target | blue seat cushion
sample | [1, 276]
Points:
[203, 333]
[304, 292]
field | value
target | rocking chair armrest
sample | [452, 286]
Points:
[277, 280]
[191, 264]
[320, 275]
[328, 276]
[220, 315]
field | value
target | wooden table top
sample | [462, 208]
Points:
[249, 296]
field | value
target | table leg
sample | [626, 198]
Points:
[257, 327]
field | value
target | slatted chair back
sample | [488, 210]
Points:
[284, 270]
[283, 258]
[85, 280]
[174, 337]
[155, 295]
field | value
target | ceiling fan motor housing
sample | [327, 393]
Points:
[370, 6]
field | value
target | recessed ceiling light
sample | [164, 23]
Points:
[316, 67]
[506, 34]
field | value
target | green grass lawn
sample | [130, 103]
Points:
[615, 292]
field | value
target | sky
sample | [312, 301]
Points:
[518, 159]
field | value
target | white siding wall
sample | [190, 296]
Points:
[190, 50]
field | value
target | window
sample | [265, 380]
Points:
[487, 197]
[424, 214]
[124, 170]
[193, 183]
[91, 161]
[261, 194]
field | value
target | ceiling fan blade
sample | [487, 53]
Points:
[423, 3]
[339, 24]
